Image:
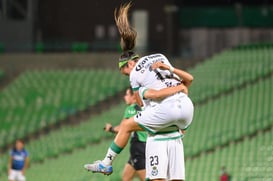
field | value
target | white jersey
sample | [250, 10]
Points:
[143, 76]
[164, 146]
[169, 114]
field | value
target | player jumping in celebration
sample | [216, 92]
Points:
[136, 162]
[167, 113]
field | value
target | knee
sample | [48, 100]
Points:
[129, 125]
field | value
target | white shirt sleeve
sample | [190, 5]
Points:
[134, 83]
[141, 91]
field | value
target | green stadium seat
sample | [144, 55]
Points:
[49, 96]
[231, 117]
[229, 70]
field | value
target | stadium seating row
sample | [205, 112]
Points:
[229, 70]
[79, 136]
[69, 167]
[247, 160]
[40, 98]
[231, 117]
[68, 138]
[250, 159]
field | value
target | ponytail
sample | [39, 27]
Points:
[127, 33]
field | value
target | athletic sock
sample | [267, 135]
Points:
[111, 154]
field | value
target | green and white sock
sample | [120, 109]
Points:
[111, 154]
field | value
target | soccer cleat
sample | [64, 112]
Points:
[99, 167]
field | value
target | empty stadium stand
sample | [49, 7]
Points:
[248, 160]
[37, 99]
[230, 70]
[72, 138]
[232, 125]
[231, 117]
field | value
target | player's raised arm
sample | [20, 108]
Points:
[186, 77]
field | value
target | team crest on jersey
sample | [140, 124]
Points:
[154, 171]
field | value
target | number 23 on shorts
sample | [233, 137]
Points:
[154, 160]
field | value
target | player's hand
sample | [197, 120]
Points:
[160, 65]
[184, 89]
[107, 127]
[23, 172]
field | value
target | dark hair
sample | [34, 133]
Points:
[127, 33]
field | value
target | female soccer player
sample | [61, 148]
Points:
[153, 72]
[136, 162]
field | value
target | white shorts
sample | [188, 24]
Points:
[165, 157]
[172, 112]
[16, 175]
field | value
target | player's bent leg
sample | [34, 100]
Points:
[128, 172]
[126, 127]
[105, 166]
